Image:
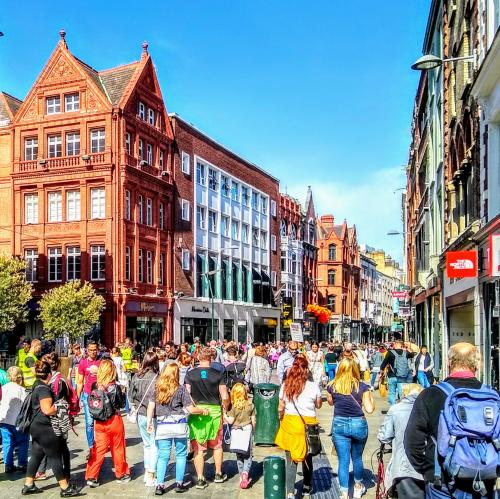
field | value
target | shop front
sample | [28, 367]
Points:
[145, 322]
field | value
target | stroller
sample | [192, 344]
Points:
[380, 492]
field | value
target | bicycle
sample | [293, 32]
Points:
[380, 492]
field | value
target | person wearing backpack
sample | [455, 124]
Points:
[462, 416]
[234, 368]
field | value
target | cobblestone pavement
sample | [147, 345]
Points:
[325, 466]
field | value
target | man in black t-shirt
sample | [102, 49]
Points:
[208, 390]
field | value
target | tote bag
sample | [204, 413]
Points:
[240, 440]
[173, 426]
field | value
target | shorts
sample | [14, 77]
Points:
[214, 444]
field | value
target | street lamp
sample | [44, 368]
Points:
[430, 61]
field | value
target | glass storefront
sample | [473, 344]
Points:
[201, 328]
[148, 331]
[228, 329]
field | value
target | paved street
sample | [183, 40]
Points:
[324, 481]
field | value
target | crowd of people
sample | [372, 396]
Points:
[181, 397]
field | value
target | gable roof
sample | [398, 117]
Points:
[116, 80]
[8, 106]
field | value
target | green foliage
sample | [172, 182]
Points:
[71, 309]
[15, 292]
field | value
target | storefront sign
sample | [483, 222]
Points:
[404, 311]
[400, 295]
[201, 310]
[296, 332]
[461, 264]
[494, 255]
[147, 307]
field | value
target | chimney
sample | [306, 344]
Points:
[144, 54]
[327, 221]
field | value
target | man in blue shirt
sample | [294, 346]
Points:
[286, 359]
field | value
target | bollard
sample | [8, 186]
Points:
[274, 477]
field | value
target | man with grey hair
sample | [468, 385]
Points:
[422, 430]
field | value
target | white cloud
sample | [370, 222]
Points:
[370, 203]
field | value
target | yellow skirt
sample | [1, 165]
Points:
[292, 436]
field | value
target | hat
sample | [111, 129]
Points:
[197, 338]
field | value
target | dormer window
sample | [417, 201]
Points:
[151, 117]
[72, 102]
[53, 105]
[142, 111]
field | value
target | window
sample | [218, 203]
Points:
[185, 210]
[255, 201]
[331, 302]
[213, 179]
[98, 263]
[331, 277]
[98, 203]
[140, 266]
[224, 185]
[72, 102]
[273, 242]
[55, 264]
[73, 259]
[161, 216]
[140, 208]
[245, 195]
[212, 221]
[55, 207]
[31, 208]
[293, 232]
[284, 261]
[31, 259]
[283, 228]
[273, 207]
[224, 226]
[141, 110]
[72, 205]
[128, 145]
[235, 191]
[274, 278]
[73, 144]
[293, 270]
[149, 267]
[53, 105]
[97, 139]
[127, 205]
[141, 149]
[332, 252]
[255, 237]
[160, 159]
[149, 154]
[244, 233]
[149, 211]
[151, 117]
[263, 204]
[127, 263]
[235, 230]
[200, 173]
[30, 149]
[161, 271]
[200, 216]
[186, 259]
[263, 239]
[185, 160]
[54, 145]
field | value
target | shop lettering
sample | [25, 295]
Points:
[203, 310]
[147, 307]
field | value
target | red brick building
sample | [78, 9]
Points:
[86, 161]
[226, 237]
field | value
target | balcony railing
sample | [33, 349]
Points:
[61, 162]
[143, 166]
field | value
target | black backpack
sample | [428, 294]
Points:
[235, 373]
[26, 415]
[100, 405]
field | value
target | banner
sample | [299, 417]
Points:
[494, 256]
[461, 264]
[296, 332]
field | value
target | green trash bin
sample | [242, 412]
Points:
[265, 399]
[274, 477]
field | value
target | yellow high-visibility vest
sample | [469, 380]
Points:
[21, 357]
[28, 376]
[127, 357]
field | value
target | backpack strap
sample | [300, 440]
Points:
[445, 387]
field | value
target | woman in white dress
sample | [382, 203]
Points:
[316, 363]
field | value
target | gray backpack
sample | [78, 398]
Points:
[401, 368]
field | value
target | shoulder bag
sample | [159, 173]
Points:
[134, 411]
[313, 442]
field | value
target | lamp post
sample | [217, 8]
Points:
[431, 61]
[211, 291]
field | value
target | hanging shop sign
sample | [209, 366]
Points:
[296, 332]
[400, 295]
[494, 255]
[461, 264]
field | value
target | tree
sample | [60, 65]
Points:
[71, 309]
[15, 292]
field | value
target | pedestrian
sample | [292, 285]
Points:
[44, 441]
[316, 363]
[184, 363]
[28, 366]
[401, 479]
[87, 376]
[121, 374]
[331, 362]
[126, 353]
[423, 368]
[259, 369]
[76, 357]
[298, 400]
[425, 427]
[286, 360]
[13, 395]
[168, 405]
[377, 359]
[242, 418]
[141, 388]
[351, 398]
[234, 368]
[109, 431]
[361, 357]
[208, 390]
[22, 351]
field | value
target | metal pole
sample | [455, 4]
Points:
[212, 301]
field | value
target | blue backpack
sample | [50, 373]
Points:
[468, 437]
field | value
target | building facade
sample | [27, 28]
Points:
[226, 242]
[86, 172]
[370, 307]
[309, 242]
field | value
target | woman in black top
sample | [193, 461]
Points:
[44, 440]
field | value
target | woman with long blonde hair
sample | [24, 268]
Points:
[350, 396]
[109, 432]
[169, 406]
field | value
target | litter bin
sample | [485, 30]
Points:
[265, 399]
[274, 477]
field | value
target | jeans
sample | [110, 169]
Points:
[291, 472]
[432, 493]
[164, 448]
[422, 379]
[89, 420]
[149, 443]
[332, 368]
[244, 461]
[12, 439]
[395, 387]
[373, 377]
[349, 436]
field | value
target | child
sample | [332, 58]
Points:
[242, 415]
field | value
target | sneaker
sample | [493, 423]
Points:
[21, 469]
[40, 476]
[93, 483]
[30, 489]
[244, 480]
[359, 490]
[220, 477]
[201, 483]
[10, 469]
[71, 491]
[123, 479]
[160, 490]
[306, 490]
[150, 482]
[182, 487]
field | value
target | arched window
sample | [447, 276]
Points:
[331, 302]
[331, 277]
[283, 228]
[312, 232]
[332, 252]
[293, 232]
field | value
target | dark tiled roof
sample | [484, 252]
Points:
[338, 230]
[13, 102]
[92, 73]
[8, 103]
[115, 81]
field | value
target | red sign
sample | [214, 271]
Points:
[461, 264]
[400, 295]
[494, 255]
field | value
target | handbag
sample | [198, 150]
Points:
[173, 426]
[226, 437]
[313, 442]
[240, 440]
[134, 411]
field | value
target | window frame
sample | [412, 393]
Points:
[149, 153]
[128, 205]
[31, 206]
[151, 114]
[212, 221]
[140, 266]
[54, 259]
[140, 209]
[99, 255]
[73, 103]
[149, 267]
[201, 217]
[97, 211]
[185, 163]
[161, 215]
[54, 149]
[77, 205]
[128, 253]
[141, 110]
[97, 143]
[54, 207]
[201, 171]
[186, 260]
[73, 263]
[185, 204]
[149, 212]
[31, 260]
[50, 108]
[31, 145]
[73, 142]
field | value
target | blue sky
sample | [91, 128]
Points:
[317, 93]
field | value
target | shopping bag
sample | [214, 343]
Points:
[240, 440]
[382, 389]
[366, 375]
